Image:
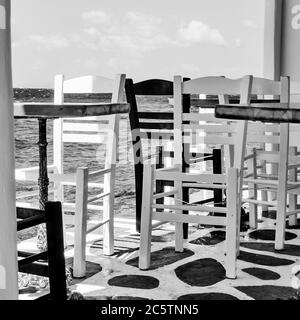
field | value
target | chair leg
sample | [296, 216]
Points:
[79, 267]
[232, 225]
[64, 230]
[264, 193]
[292, 206]
[217, 169]
[280, 223]
[293, 197]
[59, 196]
[239, 209]
[146, 221]
[178, 225]
[252, 187]
[56, 258]
[185, 226]
[282, 187]
[229, 156]
[138, 170]
[108, 212]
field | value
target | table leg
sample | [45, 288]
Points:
[43, 181]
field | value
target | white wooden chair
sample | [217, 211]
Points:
[283, 184]
[102, 130]
[187, 127]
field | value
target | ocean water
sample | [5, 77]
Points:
[26, 149]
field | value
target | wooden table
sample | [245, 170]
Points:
[264, 112]
[44, 111]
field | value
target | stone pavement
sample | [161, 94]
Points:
[197, 273]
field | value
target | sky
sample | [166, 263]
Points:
[144, 39]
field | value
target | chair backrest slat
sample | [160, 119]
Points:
[156, 115]
[262, 86]
[88, 84]
[84, 127]
[215, 140]
[209, 128]
[157, 87]
[84, 138]
[212, 86]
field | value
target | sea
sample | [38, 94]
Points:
[26, 148]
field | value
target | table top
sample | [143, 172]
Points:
[264, 112]
[67, 110]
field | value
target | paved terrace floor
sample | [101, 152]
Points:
[197, 273]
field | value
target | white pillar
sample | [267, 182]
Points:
[8, 228]
[272, 39]
[272, 57]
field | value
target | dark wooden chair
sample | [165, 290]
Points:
[50, 263]
[149, 122]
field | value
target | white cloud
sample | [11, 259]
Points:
[250, 23]
[238, 43]
[50, 41]
[143, 24]
[197, 32]
[92, 31]
[135, 33]
[96, 17]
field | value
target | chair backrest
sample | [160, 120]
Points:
[263, 87]
[92, 130]
[268, 133]
[153, 126]
[52, 217]
[205, 126]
